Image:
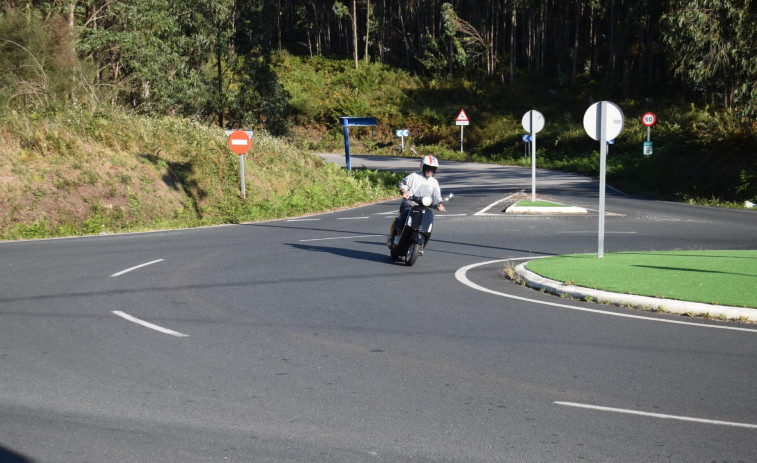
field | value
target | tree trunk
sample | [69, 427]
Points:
[71, 8]
[612, 37]
[278, 21]
[367, 29]
[579, 15]
[513, 23]
[220, 87]
[354, 30]
[317, 28]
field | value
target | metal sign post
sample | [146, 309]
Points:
[239, 142]
[346, 123]
[402, 134]
[241, 175]
[603, 121]
[533, 122]
[462, 120]
[648, 119]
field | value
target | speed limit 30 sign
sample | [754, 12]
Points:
[648, 119]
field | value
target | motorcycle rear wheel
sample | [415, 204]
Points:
[412, 254]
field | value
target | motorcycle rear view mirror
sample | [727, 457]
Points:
[449, 198]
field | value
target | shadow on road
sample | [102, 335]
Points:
[351, 253]
[9, 456]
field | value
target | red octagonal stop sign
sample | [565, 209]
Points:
[239, 142]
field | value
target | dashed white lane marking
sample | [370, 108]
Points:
[657, 415]
[303, 220]
[594, 232]
[353, 218]
[135, 267]
[461, 275]
[136, 320]
[340, 238]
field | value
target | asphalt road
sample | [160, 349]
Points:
[299, 340]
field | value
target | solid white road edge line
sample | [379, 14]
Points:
[135, 267]
[460, 275]
[136, 320]
[340, 238]
[658, 415]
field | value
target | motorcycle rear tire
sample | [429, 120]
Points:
[412, 254]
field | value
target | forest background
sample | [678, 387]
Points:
[111, 111]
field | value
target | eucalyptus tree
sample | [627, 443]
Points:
[714, 45]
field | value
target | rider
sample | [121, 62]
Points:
[419, 184]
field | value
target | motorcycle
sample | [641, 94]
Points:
[412, 239]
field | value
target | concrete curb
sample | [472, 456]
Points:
[536, 281]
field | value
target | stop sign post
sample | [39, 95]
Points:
[239, 142]
[603, 121]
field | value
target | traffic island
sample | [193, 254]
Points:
[681, 282]
[525, 206]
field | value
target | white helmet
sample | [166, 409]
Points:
[429, 163]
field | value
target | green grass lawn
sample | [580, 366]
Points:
[712, 277]
[526, 203]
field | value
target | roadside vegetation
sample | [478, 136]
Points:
[72, 172]
[701, 154]
[112, 114]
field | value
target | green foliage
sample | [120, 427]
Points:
[38, 65]
[186, 58]
[714, 42]
[701, 153]
[259, 100]
[324, 89]
[156, 53]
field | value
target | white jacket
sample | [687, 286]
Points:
[418, 185]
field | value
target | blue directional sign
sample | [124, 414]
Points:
[357, 121]
[611, 142]
[526, 138]
[402, 133]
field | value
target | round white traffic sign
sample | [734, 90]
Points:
[612, 118]
[533, 121]
[648, 119]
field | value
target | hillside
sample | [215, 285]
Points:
[701, 153]
[76, 172]
[68, 170]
